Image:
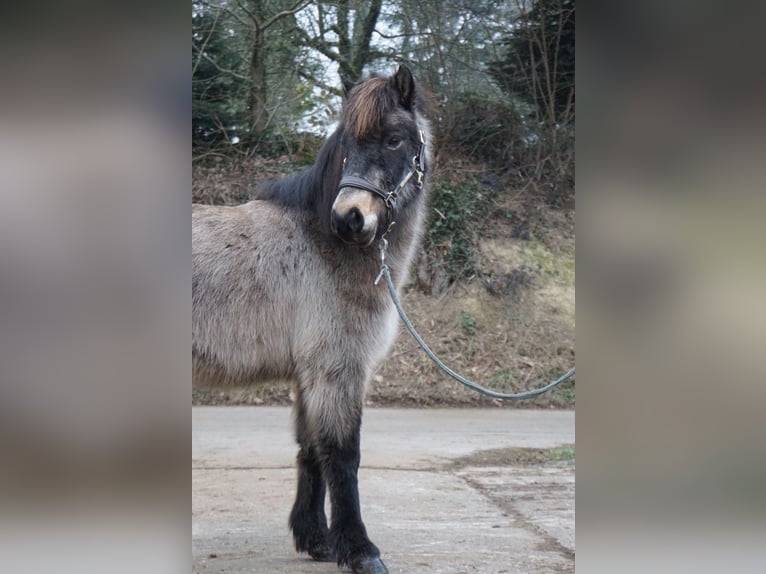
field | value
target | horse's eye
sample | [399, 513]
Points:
[394, 143]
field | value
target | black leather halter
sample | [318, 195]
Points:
[389, 197]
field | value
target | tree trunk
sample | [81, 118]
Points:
[363, 29]
[258, 112]
[354, 52]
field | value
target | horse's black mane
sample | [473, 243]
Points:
[313, 189]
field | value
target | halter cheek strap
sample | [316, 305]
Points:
[418, 170]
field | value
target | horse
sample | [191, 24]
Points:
[283, 288]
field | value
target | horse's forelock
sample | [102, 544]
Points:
[367, 106]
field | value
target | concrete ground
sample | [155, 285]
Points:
[430, 503]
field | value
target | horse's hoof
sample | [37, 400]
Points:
[368, 565]
[322, 553]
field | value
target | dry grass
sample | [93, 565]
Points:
[222, 180]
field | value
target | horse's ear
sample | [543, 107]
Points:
[405, 86]
[347, 84]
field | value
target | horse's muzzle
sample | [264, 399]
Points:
[354, 216]
[354, 227]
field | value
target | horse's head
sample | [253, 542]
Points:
[384, 134]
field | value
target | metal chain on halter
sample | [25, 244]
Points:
[384, 272]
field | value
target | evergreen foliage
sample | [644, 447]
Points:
[539, 63]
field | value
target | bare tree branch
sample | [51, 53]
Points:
[320, 45]
[217, 67]
[223, 8]
[253, 17]
[297, 7]
[317, 82]
[405, 35]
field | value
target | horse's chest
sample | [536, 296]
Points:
[368, 321]
[383, 334]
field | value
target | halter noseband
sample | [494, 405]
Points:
[418, 170]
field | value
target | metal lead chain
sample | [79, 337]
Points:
[383, 247]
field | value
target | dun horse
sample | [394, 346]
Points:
[283, 288]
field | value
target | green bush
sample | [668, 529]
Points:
[488, 129]
[457, 210]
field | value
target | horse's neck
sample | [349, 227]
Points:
[311, 189]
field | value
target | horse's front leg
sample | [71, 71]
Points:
[334, 411]
[307, 519]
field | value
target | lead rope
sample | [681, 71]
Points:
[384, 272]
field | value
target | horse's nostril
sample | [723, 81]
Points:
[336, 221]
[355, 220]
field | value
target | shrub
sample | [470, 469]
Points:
[485, 129]
[457, 210]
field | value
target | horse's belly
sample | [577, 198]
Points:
[239, 346]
